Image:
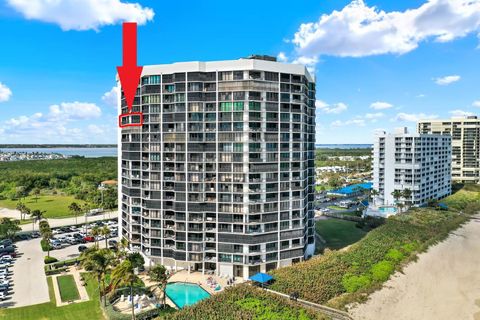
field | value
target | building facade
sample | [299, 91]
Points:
[419, 162]
[221, 174]
[465, 133]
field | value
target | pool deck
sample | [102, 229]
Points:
[196, 278]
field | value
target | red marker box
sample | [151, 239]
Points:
[132, 118]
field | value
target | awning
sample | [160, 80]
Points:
[261, 278]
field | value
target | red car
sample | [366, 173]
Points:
[89, 238]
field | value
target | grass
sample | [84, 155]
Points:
[339, 233]
[68, 288]
[84, 310]
[56, 206]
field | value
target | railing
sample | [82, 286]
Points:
[331, 312]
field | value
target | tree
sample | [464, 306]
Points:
[37, 215]
[397, 194]
[9, 227]
[99, 262]
[21, 207]
[136, 258]
[400, 207]
[36, 193]
[85, 208]
[407, 195]
[373, 194]
[159, 275]
[95, 232]
[105, 231]
[46, 233]
[125, 275]
[75, 210]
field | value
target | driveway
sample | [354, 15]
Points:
[71, 252]
[28, 276]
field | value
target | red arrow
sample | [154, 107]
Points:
[129, 72]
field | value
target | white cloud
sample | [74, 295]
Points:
[358, 30]
[444, 81]
[282, 57]
[75, 111]
[421, 95]
[413, 117]
[110, 97]
[356, 122]
[460, 113]
[373, 116]
[476, 103]
[5, 93]
[330, 109]
[380, 105]
[84, 14]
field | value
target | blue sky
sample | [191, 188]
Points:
[378, 64]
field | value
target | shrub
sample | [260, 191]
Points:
[409, 247]
[394, 255]
[382, 270]
[48, 259]
[353, 283]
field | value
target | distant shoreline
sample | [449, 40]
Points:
[47, 146]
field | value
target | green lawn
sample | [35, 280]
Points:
[68, 288]
[339, 233]
[84, 310]
[56, 206]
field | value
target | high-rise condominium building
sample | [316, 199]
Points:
[465, 134]
[221, 174]
[418, 162]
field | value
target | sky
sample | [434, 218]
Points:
[378, 64]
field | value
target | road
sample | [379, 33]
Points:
[9, 213]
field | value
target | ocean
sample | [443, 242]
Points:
[342, 146]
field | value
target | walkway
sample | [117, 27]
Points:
[443, 284]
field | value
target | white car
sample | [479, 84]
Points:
[4, 283]
[3, 295]
[4, 272]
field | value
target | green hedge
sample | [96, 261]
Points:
[245, 302]
[58, 267]
[48, 259]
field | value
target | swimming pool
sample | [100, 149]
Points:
[185, 294]
[387, 209]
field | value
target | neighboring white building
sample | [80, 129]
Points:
[465, 134]
[419, 162]
[221, 174]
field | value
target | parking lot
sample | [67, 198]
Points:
[27, 282]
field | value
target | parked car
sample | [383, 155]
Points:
[13, 254]
[4, 272]
[82, 248]
[89, 239]
[3, 295]
[6, 257]
[112, 242]
[35, 234]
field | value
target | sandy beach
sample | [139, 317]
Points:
[443, 284]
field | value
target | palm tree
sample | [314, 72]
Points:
[95, 232]
[105, 231]
[85, 208]
[159, 275]
[125, 274]
[122, 248]
[373, 194]
[75, 210]
[99, 262]
[400, 206]
[36, 215]
[407, 195]
[397, 194]
[21, 207]
[46, 233]
[36, 193]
